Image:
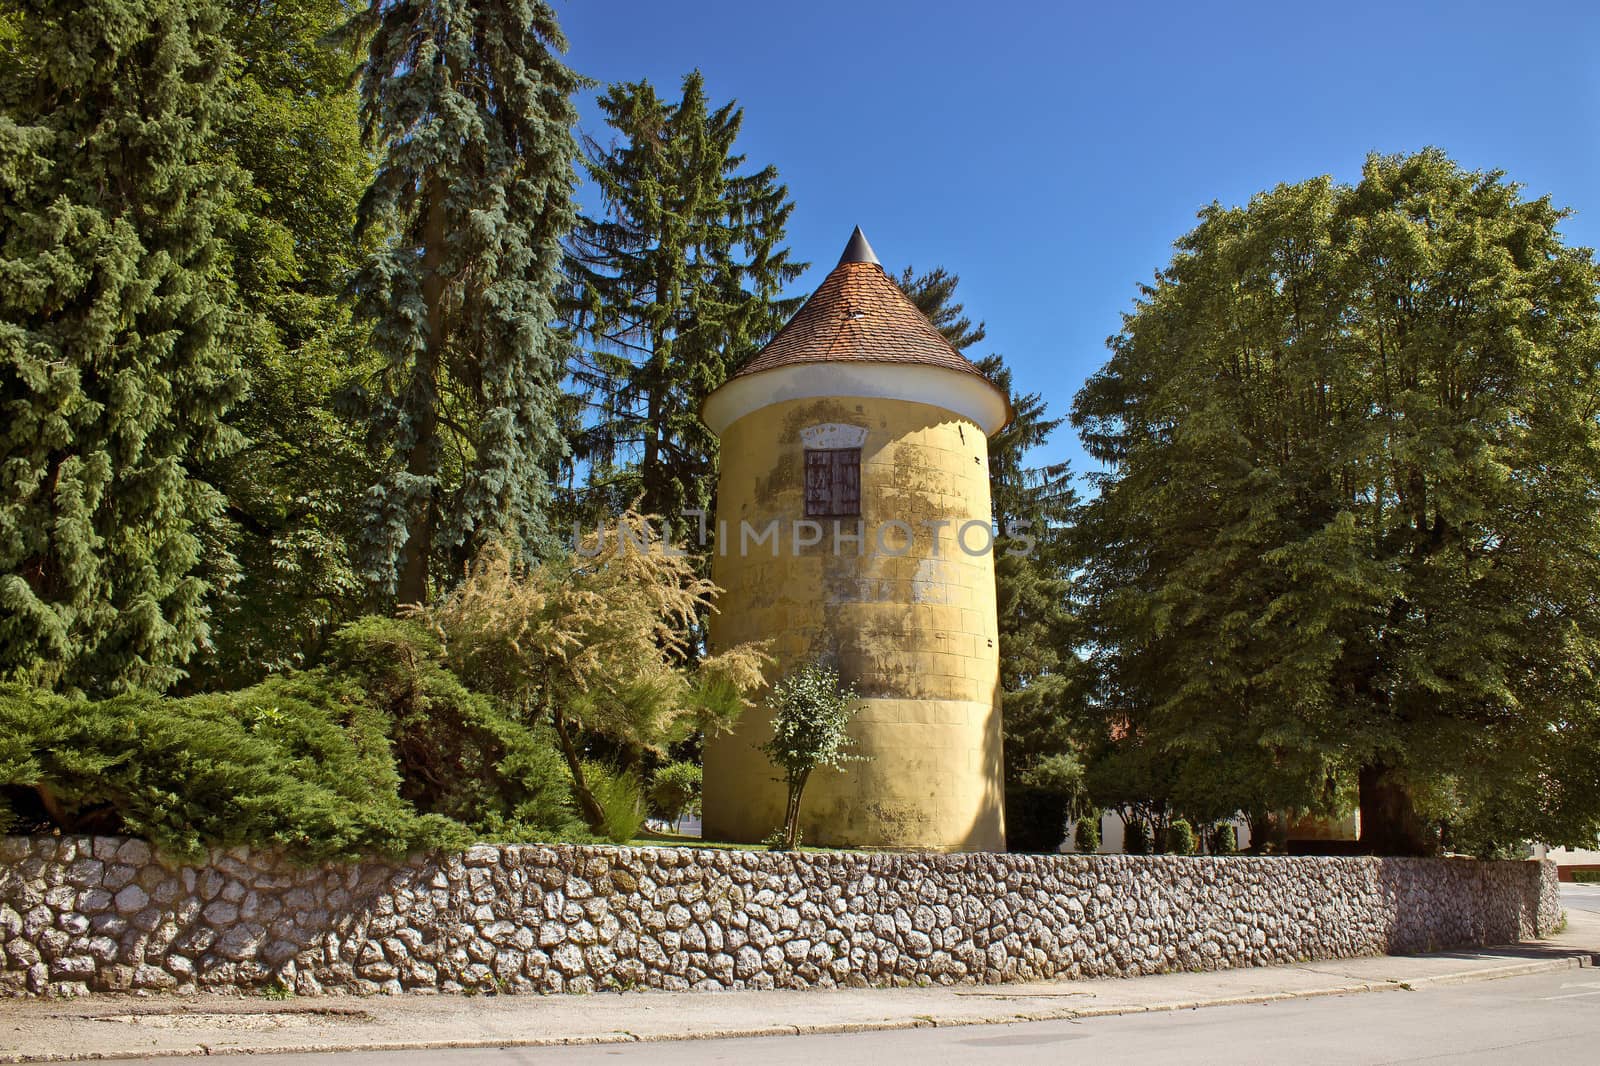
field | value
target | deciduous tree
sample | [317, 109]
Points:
[1350, 522]
[811, 712]
[597, 643]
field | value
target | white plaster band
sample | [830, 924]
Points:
[966, 395]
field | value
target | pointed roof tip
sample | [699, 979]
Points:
[860, 316]
[858, 250]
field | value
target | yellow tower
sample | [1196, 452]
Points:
[854, 526]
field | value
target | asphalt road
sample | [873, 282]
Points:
[1553, 1017]
[1580, 897]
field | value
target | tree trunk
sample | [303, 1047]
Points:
[53, 807]
[593, 813]
[791, 816]
[1267, 832]
[649, 474]
[424, 391]
[1390, 824]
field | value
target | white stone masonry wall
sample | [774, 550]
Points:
[82, 914]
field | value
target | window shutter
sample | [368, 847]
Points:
[847, 481]
[819, 483]
[833, 482]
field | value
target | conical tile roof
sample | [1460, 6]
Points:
[858, 315]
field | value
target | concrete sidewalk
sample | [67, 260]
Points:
[127, 1026]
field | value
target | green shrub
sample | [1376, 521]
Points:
[1135, 838]
[1180, 838]
[1586, 877]
[675, 791]
[459, 753]
[300, 763]
[379, 751]
[1224, 839]
[1086, 834]
[621, 801]
[1036, 819]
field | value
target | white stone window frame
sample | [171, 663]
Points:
[832, 436]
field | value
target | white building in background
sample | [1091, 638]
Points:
[1568, 860]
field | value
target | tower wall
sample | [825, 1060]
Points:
[916, 633]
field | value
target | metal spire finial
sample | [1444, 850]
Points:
[858, 250]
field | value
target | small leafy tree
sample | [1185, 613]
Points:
[1039, 805]
[1180, 838]
[1224, 839]
[675, 791]
[1059, 772]
[811, 710]
[597, 642]
[1086, 835]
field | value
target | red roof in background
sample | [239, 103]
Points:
[858, 315]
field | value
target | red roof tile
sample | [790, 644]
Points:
[858, 315]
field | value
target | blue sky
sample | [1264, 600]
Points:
[1051, 153]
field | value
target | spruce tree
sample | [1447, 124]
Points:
[294, 491]
[934, 294]
[114, 374]
[675, 282]
[471, 108]
[1045, 682]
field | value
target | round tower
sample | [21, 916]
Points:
[854, 526]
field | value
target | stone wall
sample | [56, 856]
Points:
[104, 914]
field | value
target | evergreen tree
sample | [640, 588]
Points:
[1041, 631]
[1043, 680]
[675, 282]
[471, 108]
[294, 490]
[934, 294]
[114, 374]
[1349, 527]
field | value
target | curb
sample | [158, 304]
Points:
[1488, 973]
